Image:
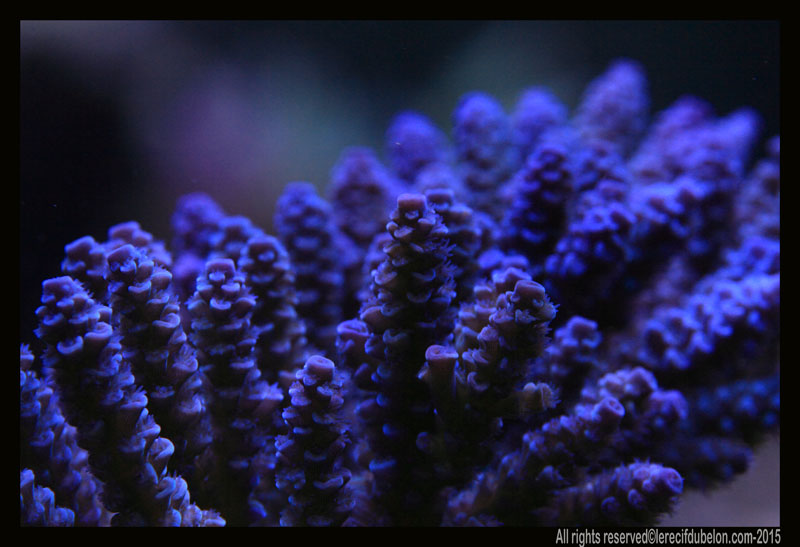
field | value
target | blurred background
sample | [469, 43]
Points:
[120, 118]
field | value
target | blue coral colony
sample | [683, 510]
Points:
[543, 318]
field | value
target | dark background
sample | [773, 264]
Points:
[119, 118]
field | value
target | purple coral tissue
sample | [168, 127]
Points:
[541, 317]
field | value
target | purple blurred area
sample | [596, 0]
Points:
[120, 118]
[751, 500]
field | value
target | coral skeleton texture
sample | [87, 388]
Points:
[542, 317]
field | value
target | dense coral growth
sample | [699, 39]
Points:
[552, 318]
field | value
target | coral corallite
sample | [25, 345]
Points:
[550, 318]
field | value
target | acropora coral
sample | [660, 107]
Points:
[548, 317]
